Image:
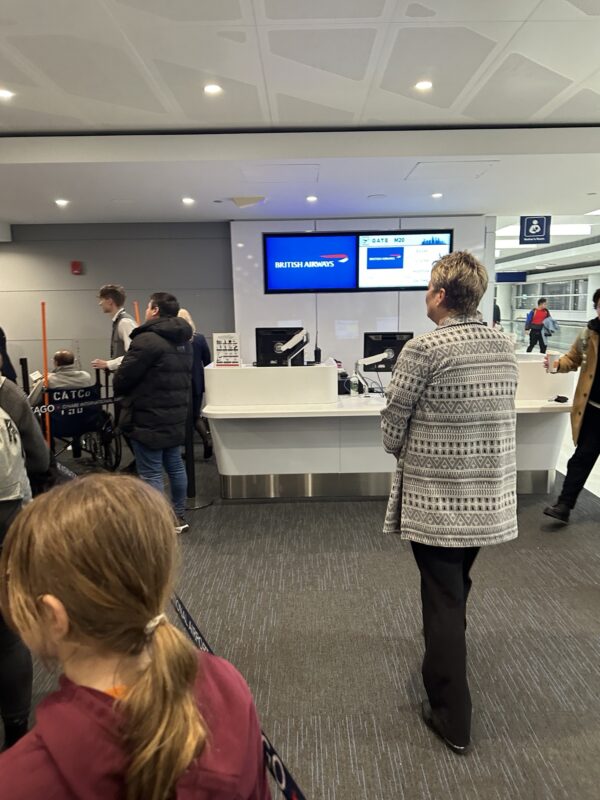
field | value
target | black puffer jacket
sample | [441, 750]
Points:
[153, 383]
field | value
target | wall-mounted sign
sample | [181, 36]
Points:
[226, 350]
[535, 230]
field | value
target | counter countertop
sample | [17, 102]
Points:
[347, 406]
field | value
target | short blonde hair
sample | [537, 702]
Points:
[183, 312]
[464, 280]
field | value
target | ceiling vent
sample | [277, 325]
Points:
[246, 202]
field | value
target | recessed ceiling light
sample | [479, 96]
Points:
[312, 198]
[62, 203]
[249, 256]
[240, 244]
[437, 195]
[423, 86]
[213, 88]
[6, 94]
[188, 201]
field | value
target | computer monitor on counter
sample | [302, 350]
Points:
[269, 344]
[390, 342]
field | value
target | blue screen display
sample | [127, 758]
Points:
[385, 257]
[310, 263]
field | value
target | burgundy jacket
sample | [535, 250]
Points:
[73, 754]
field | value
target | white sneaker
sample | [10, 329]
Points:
[182, 525]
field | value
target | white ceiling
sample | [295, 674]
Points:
[138, 66]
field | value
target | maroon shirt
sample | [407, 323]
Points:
[73, 752]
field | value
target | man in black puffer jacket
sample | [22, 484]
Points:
[153, 384]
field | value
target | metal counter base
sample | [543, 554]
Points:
[346, 484]
[535, 481]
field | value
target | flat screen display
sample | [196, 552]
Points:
[356, 261]
[310, 262]
[400, 260]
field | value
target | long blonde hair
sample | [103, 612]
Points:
[105, 546]
[185, 314]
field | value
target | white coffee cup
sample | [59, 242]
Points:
[552, 358]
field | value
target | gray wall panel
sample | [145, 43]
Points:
[194, 263]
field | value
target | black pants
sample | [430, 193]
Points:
[16, 669]
[535, 337]
[445, 586]
[584, 458]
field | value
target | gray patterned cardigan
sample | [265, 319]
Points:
[450, 421]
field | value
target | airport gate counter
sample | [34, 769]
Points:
[285, 432]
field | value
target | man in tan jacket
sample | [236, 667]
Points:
[585, 416]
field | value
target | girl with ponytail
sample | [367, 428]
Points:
[85, 576]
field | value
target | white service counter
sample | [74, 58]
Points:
[303, 440]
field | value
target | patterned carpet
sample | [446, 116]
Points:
[320, 612]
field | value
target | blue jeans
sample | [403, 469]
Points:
[150, 465]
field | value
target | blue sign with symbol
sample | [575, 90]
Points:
[535, 230]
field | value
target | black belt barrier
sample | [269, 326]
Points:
[275, 765]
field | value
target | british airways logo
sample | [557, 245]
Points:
[341, 258]
[326, 260]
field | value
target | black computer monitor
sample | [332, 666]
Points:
[379, 342]
[266, 353]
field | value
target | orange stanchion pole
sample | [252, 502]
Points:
[136, 311]
[45, 363]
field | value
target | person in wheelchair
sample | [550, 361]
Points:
[64, 376]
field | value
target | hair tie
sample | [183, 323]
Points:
[154, 623]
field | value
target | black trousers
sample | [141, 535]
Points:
[584, 458]
[445, 587]
[16, 669]
[535, 337]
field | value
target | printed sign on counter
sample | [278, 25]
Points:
[226, 350]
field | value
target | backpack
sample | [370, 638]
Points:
[12, 465]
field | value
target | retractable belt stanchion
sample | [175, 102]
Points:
[45, 362]
[274, 763]
[194, 503]
[25, 375]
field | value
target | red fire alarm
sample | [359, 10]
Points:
[77, 267]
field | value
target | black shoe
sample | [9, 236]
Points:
[182, 525]
[559, 511]
[428, 719]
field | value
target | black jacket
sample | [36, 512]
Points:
[153, 383]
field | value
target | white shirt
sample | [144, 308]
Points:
[124, 328]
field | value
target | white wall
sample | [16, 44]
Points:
[342, 318]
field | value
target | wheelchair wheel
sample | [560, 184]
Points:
[110, 446]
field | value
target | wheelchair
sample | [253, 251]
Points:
[84, 428]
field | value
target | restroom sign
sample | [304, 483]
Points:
[535, 230]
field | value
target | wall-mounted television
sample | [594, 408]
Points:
[356, 261]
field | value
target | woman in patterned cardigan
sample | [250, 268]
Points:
[450, 421]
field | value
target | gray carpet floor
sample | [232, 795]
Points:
[320, 612]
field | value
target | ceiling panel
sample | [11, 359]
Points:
[582, 107]
[296, 112]
[88, 69]
[323, 9]
[406, 65]
[342, 51]
[463, 10]
[516, 90]
[188, 10]
[239, 101]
